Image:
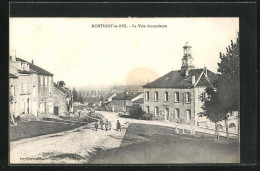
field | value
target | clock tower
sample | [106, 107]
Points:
[187, 60]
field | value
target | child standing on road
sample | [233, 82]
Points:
[106, 125]
[109, 126]
[101, 123]
[96, 125]
[118, 126]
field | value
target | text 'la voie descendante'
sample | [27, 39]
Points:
[128, 26]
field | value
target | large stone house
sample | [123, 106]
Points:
[175, 96]
[62, 99]
[123, 101]
[31, 87]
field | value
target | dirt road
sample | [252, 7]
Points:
[70, 147]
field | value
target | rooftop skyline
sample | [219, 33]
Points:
[84, 56]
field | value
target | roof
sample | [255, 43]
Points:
[25, 72]
[12, 75]
[141, 100]
[62, 90]
[106, 96]
[124, 96]
[175, 79]
[35, 68]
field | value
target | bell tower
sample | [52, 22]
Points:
[187, 60]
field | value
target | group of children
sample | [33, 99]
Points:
[108, 125]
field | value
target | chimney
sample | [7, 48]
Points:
[32, 61]
[206, 71]
[193, 79]
[13, 55]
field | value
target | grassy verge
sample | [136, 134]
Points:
[47, 126]
[150, 144]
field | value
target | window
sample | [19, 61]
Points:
[156, 96]
[12, 90]
[177, 113]
[147, 109]
[188, 112]
[156, 111]
[41, 79]
[187, 97]
[177, 97]
[147, 96]
[46, 81]
[33, 91]
[166, 97]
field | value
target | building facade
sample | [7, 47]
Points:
[62, 99]
[32, 88]
[123, 101]
[176, 95]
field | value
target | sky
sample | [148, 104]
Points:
[82, 55]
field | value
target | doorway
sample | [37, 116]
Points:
[28, 106]
[56, 110]
[166, 111]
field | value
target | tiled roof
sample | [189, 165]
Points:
[141, 100]
[35, 68]
[62, 90]
[12, 75]
[175, 79]
[124, 96]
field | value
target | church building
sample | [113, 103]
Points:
[175, 96]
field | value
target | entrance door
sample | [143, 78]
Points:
[56, 110]
[166, 111]
[28, 106]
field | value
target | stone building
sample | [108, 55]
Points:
[175, 96]
[33, 88]
[139, 102]
[62, 99]
[123, 101]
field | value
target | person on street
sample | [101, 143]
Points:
[101, 124]
[106, 125]
[96, 125]
[118, 126]
[109, 126]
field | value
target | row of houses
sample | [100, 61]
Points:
[33, 92]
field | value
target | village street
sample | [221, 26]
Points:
[71, 146]
[74, 146]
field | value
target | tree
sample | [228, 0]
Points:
[136, 111]
[101, 98]
[229, 81]
[213, 108]
[223, 96]
[80, 99]
[75, 95]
